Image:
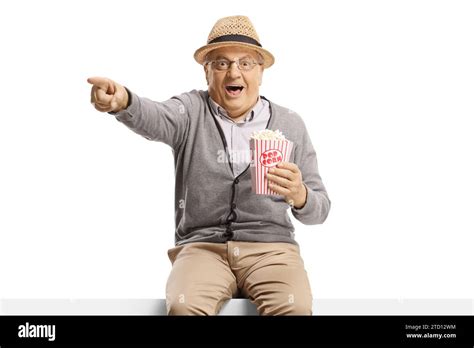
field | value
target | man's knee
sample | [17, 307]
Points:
[301, 305]
[189, 306]
[175, 308]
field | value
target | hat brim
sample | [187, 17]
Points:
[200, 54]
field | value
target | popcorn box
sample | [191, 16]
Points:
[266, 154]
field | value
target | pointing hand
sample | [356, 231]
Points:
[107, 95]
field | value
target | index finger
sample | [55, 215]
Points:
[288, 165]
[102, 83]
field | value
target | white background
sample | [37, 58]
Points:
[386, 91]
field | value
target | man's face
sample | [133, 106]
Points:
[223, 83]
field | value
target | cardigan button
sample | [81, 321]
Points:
[234, 205]
[236, 181]
[232, 216]
[228, 233]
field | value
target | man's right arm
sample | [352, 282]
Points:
[165, 122]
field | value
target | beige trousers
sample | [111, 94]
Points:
[205, 275]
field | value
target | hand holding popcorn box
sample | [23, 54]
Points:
[267, 149]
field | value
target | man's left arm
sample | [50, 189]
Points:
[301, 184]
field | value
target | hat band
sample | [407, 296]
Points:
[235, 38]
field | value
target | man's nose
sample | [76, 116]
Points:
[233, 71]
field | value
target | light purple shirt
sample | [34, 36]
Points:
[237, 134]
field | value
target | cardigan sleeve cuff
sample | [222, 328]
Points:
[312, 212]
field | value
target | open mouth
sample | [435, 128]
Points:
[234, 90]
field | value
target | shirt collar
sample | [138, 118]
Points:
[220, 111]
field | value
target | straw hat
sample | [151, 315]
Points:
[233, 31]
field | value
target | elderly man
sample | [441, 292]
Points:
[229, 240]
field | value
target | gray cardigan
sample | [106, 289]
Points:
[210, 204]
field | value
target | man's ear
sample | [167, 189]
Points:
[261, 76]
[206, 71]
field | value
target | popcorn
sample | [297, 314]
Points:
[267, 149]
[268, 134]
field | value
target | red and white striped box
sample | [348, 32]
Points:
[266, 154]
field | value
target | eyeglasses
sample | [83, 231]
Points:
[244, 64]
